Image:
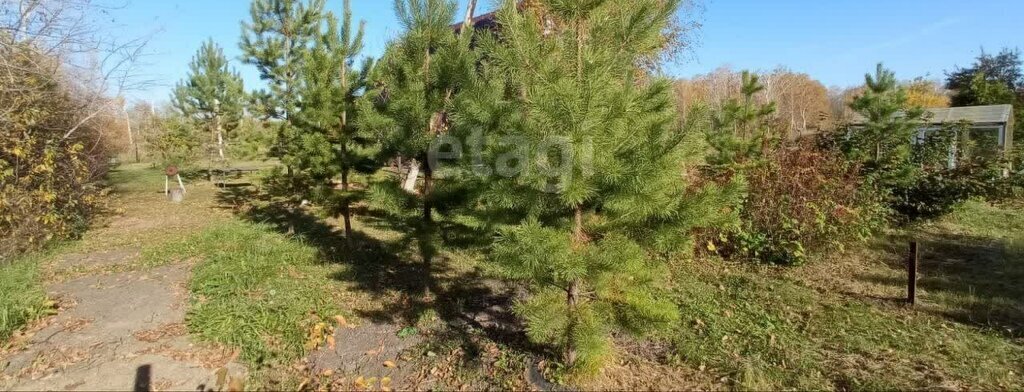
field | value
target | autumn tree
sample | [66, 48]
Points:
[926, 94]
[212, 94]
[331, 144]
[588, 151]
[801, 103]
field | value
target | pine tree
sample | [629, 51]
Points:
[741, 133]
[884, 143]
[331, 144]
[590, 152]
[212, 94]
[276, 42]
[415, 84]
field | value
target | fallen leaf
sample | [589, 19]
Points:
[389, 364]
[330, 342]
[341, 320]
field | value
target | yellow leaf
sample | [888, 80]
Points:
[389, 364]
[712, 247]
[360, 383]
[385, 384]
[330, 341]
[341, 320]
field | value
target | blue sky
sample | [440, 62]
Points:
[835, 41]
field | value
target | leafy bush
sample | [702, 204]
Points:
[977, 172]
[800, 200]
[52, 150]
[176, 143]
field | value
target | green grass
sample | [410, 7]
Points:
[22, 298]
[255, 290]
[767, 332]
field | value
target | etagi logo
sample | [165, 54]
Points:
[550, 163]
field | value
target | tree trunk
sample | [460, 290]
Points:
[580, 239]
[131, 136]
[220, 143]
[572, 300]
[346, 208]
[428, 185]
[410, 179]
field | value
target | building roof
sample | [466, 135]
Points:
[991, 114]
[486, 21]
[998, 114]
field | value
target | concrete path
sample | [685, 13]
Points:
[117, 331]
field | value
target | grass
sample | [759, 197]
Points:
[255, 290]
[762, 331]
[836, 323]
[22, 298]
[841, 322]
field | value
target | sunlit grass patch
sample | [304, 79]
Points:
[256, 290]
[22, 298]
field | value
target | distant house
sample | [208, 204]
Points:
[991, 126]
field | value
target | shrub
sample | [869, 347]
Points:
[52, 150]
[977, 172]
[800, 200]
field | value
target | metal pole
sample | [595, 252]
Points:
[912, 273]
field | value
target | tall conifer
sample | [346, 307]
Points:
[276, 41]
[212, 94]
[589, 150]
[884, 142]
[330, 143]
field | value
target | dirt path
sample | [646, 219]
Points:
[117, 332]
[120, 325]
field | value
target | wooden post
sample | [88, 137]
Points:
[912, 273]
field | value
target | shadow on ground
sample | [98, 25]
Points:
[403, 258]
[969, 279]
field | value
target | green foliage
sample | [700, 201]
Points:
[1003, 69]
[252, 141]
[590, 154]
[50, 159]
[212, 95]
[984, 91]
[416, 80]
[22, 298]
[330, 142]
[882, 145]
[948, 181]
[741, 132]
[277, 40]
[176, 141]
[255, 290]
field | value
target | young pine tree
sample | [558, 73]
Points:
[590, 150]
[415, 84]
[276, 42]
[330, 144]
[741, 133]
[212, 94]
[884, 143]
